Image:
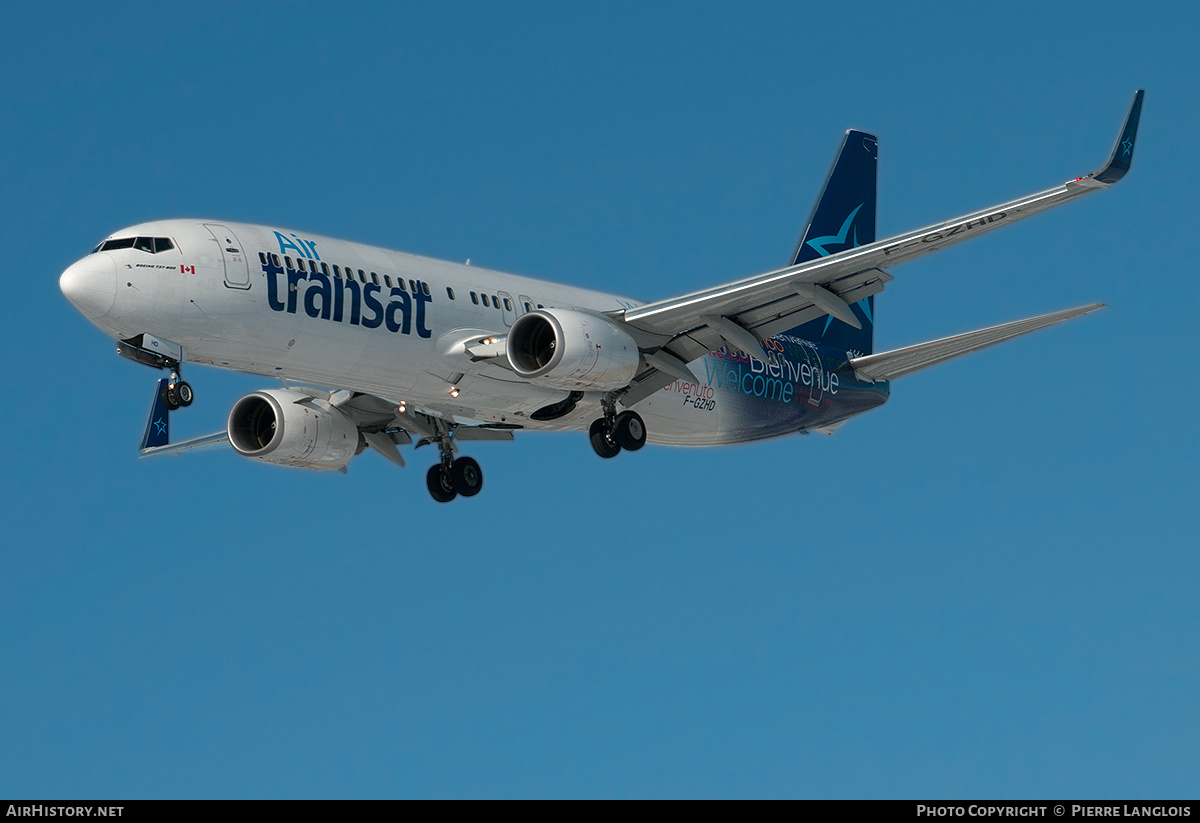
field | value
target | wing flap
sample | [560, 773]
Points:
[899, 362]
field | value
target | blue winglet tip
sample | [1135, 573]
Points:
[157, 425]
[1122, 155]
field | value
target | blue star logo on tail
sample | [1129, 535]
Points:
[819, 243]
[160, 425]
[1127, 144]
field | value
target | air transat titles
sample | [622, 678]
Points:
[345, 300]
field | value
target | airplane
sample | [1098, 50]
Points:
[412, 348]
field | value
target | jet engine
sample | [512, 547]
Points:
[574, 350]
[292, 429]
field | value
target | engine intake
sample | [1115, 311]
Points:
[291, 429]
[574, 350]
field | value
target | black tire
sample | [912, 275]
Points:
[631, 431]
[466, 476]
[601, 442]
[183, 394]
[169, 398]
[439, 485]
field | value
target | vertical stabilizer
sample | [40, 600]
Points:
[843, 218]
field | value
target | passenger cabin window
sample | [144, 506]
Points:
[362, 276]
[485, 300]
[475, 298]
[387, 280]
[413, 285]
[527, 307]
[325, 269]
[495, 301]
[287, 259]
[275, 260]
[262, 257]
[337, 272]
[300, 264]
[507, 304]
[375, 278]
[425, 288]
[450, 292]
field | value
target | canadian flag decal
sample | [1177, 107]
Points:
[187, 269]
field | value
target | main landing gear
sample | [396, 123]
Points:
[613, 432]
[177, 394]
[452, 477]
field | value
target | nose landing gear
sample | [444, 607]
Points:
[160, 354]
[177, 394]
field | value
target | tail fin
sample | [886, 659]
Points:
[843, 218]
[157, 433]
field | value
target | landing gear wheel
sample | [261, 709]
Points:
[183, 394]
[602, 443]
[439, 485]
[466, 476]
[170, 398]
[630, 431]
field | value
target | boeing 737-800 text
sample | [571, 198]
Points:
[414, 348]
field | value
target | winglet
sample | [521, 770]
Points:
[1122, 154]
[157, 432]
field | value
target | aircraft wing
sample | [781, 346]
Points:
[220, 438]
[896, 363]
[672, 333]
[380, 422]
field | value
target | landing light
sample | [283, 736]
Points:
[401, 408]
[454, 391]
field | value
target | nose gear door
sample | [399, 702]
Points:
[237, 270]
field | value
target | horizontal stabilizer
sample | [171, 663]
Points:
[896, 363]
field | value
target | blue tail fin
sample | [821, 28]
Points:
[843, 218]
[157, 433]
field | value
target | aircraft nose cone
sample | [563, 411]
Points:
[91, 284]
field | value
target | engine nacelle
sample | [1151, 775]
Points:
[292, 429]
[566, 349]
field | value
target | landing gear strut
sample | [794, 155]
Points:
[452, 477]
[613, 432]
[177, 393]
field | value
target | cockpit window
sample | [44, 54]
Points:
[152, 245]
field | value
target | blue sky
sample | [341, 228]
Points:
[986, 588]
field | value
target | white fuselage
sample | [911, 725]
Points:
[213, 295]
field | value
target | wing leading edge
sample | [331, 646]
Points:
[682, 329]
